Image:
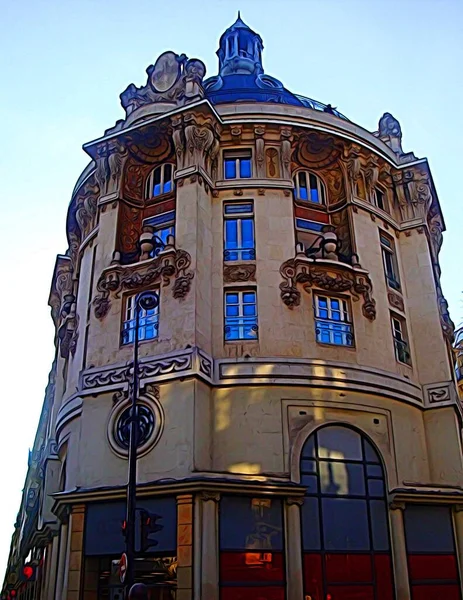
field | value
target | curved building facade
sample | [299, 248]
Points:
[300, 429]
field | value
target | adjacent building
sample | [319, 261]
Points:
[300, 423]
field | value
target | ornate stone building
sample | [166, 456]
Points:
[300, 425]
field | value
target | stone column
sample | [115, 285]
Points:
[61, 560]
[399, 551]
[184, 547]
[294, 572]
[458, 527]
[52, 569]
[76, 535]
[210, 546]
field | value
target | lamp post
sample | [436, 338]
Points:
[143, 301]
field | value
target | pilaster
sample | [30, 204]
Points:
[76, 534]
[63, 543]
[399, 551]
[210, 546]
[294, 571]
[184, 547]
[52, 569]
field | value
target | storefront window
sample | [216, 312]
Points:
[251, 549]
[156, 563]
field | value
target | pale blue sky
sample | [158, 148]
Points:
[64, 64]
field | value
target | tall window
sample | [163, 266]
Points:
[160, 180]
[163, 225]
[380, 199]
[252, 563]
[399, 333]
[391, 269]
[332, 321]
[148, 322]
[345, 535]
[241, 315]
[239, 242]
[309, 187]
[432, 562]
[237, 164]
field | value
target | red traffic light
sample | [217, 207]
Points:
[13, 594]
[28, 571]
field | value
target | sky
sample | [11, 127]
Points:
[63, 65]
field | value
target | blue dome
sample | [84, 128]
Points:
[241, 75]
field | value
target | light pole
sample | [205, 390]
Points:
[143, 301]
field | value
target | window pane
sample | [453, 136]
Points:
[167, 186]
[308, 465]
[343, 568]
[335, 304]
[310, 524]
[251, 567]
[432, 566]
[247, 233]
[249, 297]
[250, 523]
[342, 478]
[379, 530]
[376, 488]
[230, 168]
[370, 453]
[231, 209]
[339, 442]
[428, 529]
[351, 592]
[308, 450]
[313, 579]
[231, 234]
[231, 298]
[232, 310]
[345, 524]
[374, 470]
[245, 167]
[309, 225]
[434, 592]
[249, 310]
[384, 578]
[311, 483]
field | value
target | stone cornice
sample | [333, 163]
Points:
[210, 485]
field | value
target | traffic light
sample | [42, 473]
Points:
[124, 528]
[28, 572]
[148, 526]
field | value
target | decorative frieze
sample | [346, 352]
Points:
[396, 301]
[170, 263]
[239, 273]
[326, 275]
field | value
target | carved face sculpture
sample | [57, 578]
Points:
[195, 69]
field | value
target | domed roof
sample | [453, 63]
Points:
[241, 75]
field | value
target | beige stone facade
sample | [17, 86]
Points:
[230, 406]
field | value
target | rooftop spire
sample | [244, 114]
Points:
[240, 50]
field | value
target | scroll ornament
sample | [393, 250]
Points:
[168, 264]
[331, 278]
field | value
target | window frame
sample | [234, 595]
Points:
[401, 344]
[128, 316]
[321, 188]
[346, 320]
[241, 318]
[237, 156]
[149, 191]
[240, 250]
[388, 251]
[168, 226]
[384, 200]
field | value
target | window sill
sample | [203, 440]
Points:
[140, 342]
[251, 182]
[327, 345]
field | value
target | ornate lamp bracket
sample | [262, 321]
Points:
[329, 275]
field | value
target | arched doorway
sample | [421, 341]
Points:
[345, 528]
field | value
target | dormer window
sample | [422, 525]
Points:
[160, 181]
[309, 188]
[237, 164]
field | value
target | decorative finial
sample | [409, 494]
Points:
[239, 14]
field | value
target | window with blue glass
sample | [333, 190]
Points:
[163, 226]
[345, 532]
[237, 164]
[148, 322]
[241, 315]
[239, 241]
[309, 188]
[252, 563]
[332, 321]
[391, 269]
[160, 180]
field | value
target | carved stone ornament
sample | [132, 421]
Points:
[81, 217]
[109, 162]
[390, 132]
[210, 495]
[196, 141]
[326, 275]
[172, 80]
[438, 394]
[235, 273]
[170, 263]
[395, 300]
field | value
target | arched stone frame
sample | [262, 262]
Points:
[319, 176]
[387, 553]
[387, 456]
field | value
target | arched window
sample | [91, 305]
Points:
[309, 188]
[345, 532]
[160, 180]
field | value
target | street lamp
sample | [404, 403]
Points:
[144, 301]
